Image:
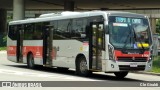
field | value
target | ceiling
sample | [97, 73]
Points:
[85, 4]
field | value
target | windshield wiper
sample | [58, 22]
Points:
[135, 37]
[128, 35]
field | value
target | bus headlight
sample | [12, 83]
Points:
[150, 59]
[151, 56]
[111, 54]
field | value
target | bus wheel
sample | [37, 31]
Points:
[81, 67]
[30, 61]
[120, 75]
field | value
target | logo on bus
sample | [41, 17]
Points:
[133, 58]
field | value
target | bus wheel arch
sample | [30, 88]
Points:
[30, 60]
[81, 65]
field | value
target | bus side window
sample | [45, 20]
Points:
[37, 33]
[12, 32]
[63, 30]
[28, 31]
[78, 30]
[55, 29]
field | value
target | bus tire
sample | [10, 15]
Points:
[30, 61]
[81, 67]
[120, 75]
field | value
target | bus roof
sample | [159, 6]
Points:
[69, 15]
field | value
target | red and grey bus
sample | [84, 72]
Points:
[103, 41]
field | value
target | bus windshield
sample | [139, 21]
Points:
[129, 32]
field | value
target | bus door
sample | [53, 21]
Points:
[47, 45]
[19, 33]
[96, 45]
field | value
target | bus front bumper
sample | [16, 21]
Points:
[115, 66]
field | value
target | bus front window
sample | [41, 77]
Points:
[130, 33]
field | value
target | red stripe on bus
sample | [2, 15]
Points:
[11, 50]
[36, 50]
[120, 54]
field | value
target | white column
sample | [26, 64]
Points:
[153, 24]
[18, 9]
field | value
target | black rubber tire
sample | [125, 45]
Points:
[30, 61]
[79, 71]
[120, 75]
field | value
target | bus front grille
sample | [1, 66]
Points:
[131, 59]
[127, 67]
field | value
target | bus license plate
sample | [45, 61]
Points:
[133, 65]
